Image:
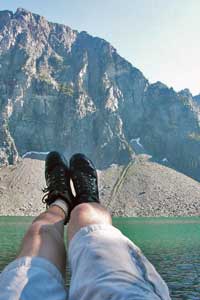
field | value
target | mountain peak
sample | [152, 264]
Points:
[21, 10]
[27, 16]
[6, 12]
[5, 16]
[159, 85]
[185, 92]
[55, 79]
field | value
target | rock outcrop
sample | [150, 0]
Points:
[65, 90]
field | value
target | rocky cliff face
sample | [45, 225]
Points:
[65, 90]
[171, 128]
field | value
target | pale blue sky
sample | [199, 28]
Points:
[160, 37]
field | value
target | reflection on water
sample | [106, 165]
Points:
[171, 244]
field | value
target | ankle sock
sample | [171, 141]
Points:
[62, 204]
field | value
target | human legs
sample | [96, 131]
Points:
[44, 238]
[39, 270]
[105, 264]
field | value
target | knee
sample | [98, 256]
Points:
[81, 209]
[43, 218]
[90, 213]
[40, 231]
[37, 229]
[87, 214]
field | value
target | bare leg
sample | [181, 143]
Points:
[87, 214]
[44, 238]
[106, 265]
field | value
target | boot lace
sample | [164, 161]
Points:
[56, 182]
[85, 184]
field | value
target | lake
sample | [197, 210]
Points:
[171, 244]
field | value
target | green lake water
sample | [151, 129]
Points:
[171, 244]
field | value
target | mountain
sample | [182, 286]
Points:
[142, 188]
[66, 90]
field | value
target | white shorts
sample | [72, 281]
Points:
[105, 265]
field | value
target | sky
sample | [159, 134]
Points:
[159, 37]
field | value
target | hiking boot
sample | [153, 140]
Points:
[84, 177]
[57, 180]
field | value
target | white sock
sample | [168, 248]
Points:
[62, 204]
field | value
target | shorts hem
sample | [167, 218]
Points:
[29, 262]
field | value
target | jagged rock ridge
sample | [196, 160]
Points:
[65, 90]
